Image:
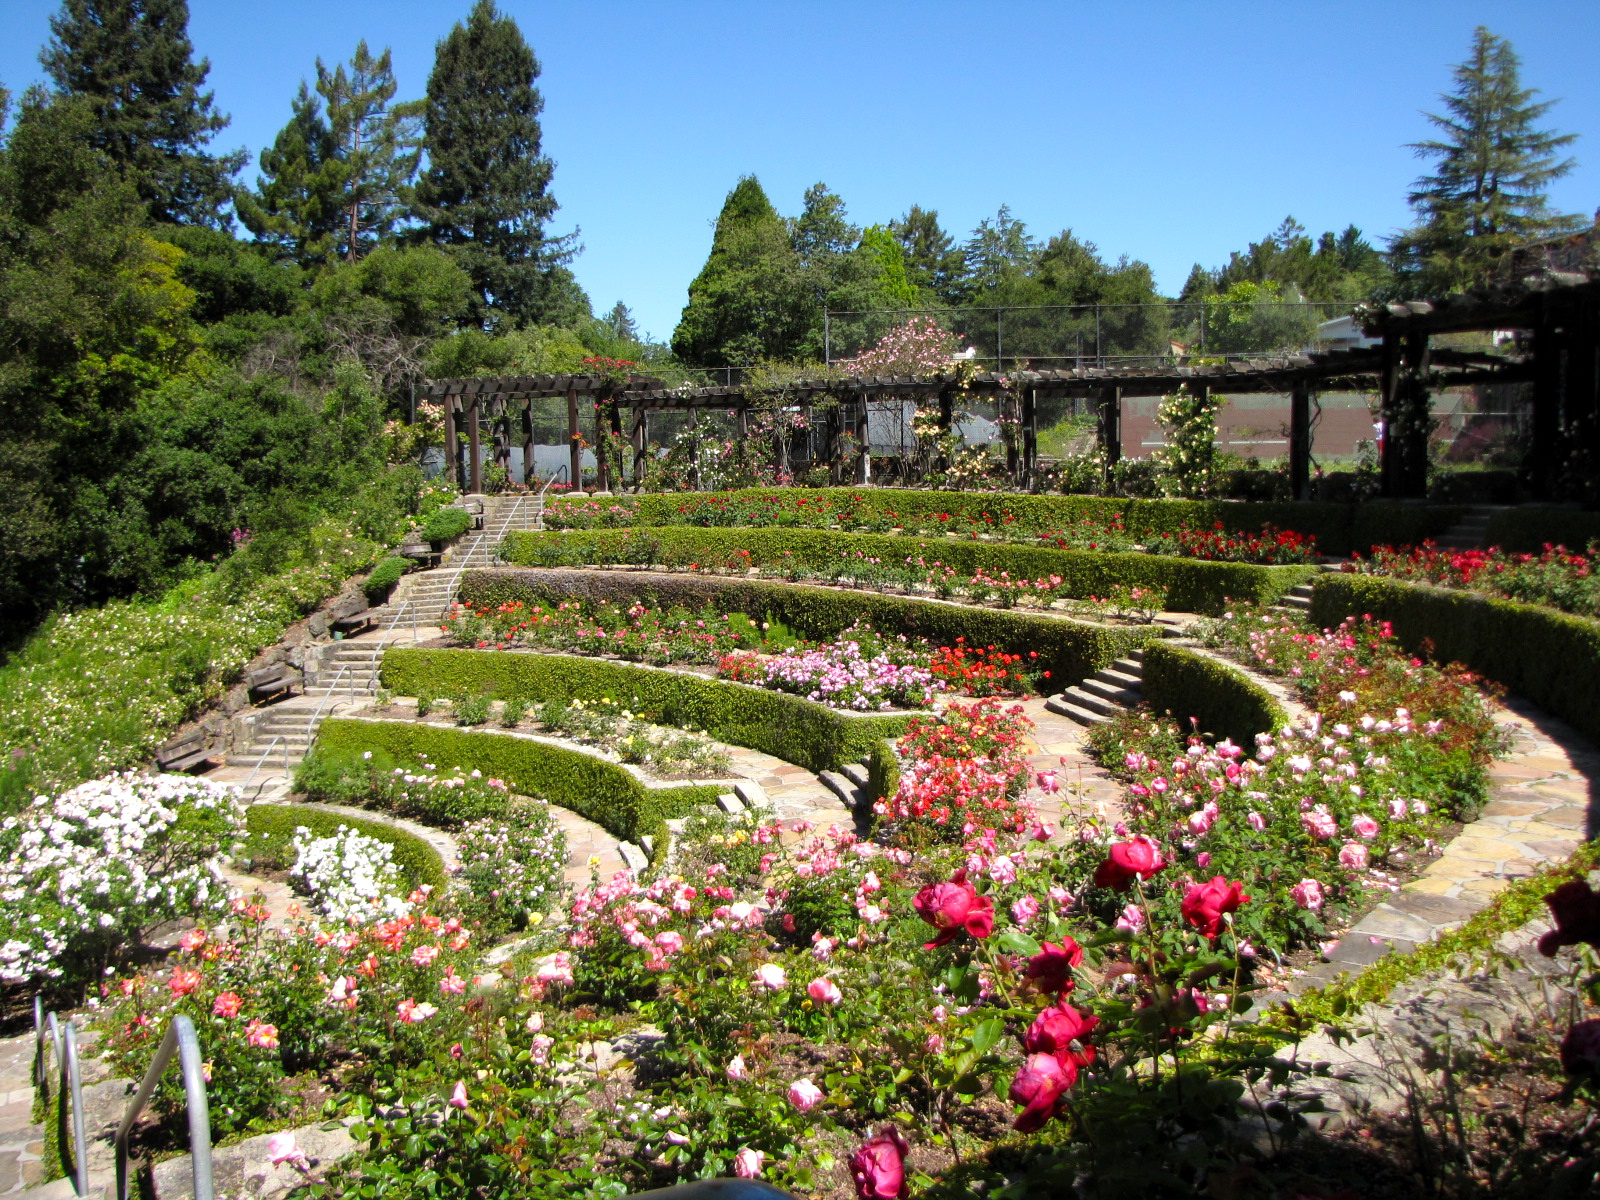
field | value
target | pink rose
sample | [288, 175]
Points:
[458, 1098]
[804, 1094]
[736, 1069]
[1256, 821]
[1354, 856]
[1365, 827]
[879, 1167]
[1307, 894]
[824, 991]
[771, 976]
[747, 1163]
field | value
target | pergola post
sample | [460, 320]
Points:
[475, 445]
[1409, 422]
[1300, 442]
[528, 475]
[574, 441]
[1030, 436]
[1545, 453]
[636, 435]
[864, 440]
[502, 436]
[452, 446]
[602, 464]
[1111, 425]
[614, 443]
[1583, 391]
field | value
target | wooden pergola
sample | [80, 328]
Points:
[501, 402]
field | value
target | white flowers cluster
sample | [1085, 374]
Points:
[513, 868]
[348, 875]
[89, 870]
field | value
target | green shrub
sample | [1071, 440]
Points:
[883, 771]
[1226, 702]
[602, 791]
[1191, 585]
[443, 524]
[1527, 530]
[271, 828]
[383, 578]
[1069, 650]
[792, 728]
[1339, 528]
[1548, 657]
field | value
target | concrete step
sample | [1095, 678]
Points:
[1299, 603]
[1063, 707]
[855, 773]
[1086, 699]
[1302, 589]
[841, 787]
[1122, 697]
[1129, 666]
[1133, 656]
[1120, 679]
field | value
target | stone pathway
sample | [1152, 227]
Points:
[1086, 789]
[21, 1141]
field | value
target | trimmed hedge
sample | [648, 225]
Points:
[1526, 530]
[1338, 527]
[442, 524]
[1225, 700]
[1069, 650]
[383, 578]
[418, 862]
[1551, 658]
[789, 727]
[883, 772]
[604, 792]
[1192, 585]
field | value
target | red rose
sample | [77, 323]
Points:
[1139, 858]
[1580, 1050]
[879, 1167]
[1051, 968]
[1204, 903]
[1575, 909]
[952, 907]
[1039, 1085]
[1056, 1029]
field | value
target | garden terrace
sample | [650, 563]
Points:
[503, 400]
[1188, 585]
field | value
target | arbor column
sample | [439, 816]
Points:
[1030, 436]
[602, 465]
[864, 439]
[1300, 442]
[636, 435]
[1546, 451]
[475, 446]
[452, 447]
[574, 441]
[1111, 425]
[528, 475]
[1407, 421]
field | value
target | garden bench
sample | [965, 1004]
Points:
[420, 552]
[350, 615]
[271, 682]
[185, 751]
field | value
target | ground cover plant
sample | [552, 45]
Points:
[1557, 576]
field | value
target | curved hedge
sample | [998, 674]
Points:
[1069, 650]
[1551, 658]
[605, 792]
[275, 824]
[1527, 530]
[1193, 585]
[442, 524]
[1226, 701]
[792, 728]
[1338, 527]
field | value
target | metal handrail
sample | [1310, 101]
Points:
[265, 754]
[70, 1086]
[180, 1038]
[312, 723]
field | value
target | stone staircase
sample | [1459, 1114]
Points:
[1469, 533]
[1102, 695]
[1296, 599]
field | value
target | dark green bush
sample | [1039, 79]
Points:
[883, 771]
[1191, 585]
[1338, 527]
[792, 728]
[602, 791]
[1069, 650]
[1225, 701]
[271, 828]
[1550, 658]
[445, 523]
[383, 578]
[1526, 530]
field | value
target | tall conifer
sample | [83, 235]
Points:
[133, 61]
[1487, 193]
[485, 196]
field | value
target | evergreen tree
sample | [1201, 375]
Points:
[749, 300]
[484, 196]
[296, 207]
[377, 145]
[997, 250]
[1487, 193]
[894, 284]
[620, 325]
[934, 264]
[132, 60]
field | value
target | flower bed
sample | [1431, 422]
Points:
[1556, 577]
[1188, 585]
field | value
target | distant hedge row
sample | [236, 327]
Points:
[1551, 658]
[789, 727]
[604, 792]
[1224, 699]
[1527, 530]
[1192, 585]
[1069, 650]
[1338, 528]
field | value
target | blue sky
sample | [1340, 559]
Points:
[1169, 131]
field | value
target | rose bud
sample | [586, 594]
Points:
[879, 1167]
[1040, 1083]
[954, 906]
[1138, 858]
